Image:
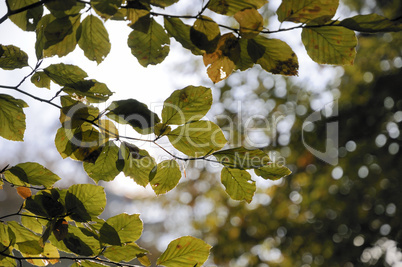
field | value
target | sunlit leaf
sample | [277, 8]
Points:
[330, 45]
[11, 57]
[74, 114]
[185, 251]
[49, 251]
[65, 74]
[245, 61]
[139, 16]
[125, 253]
[198, 138]
[12, 118]
[92, 90]
[251, 22]
[137, 163]
[161, 129]
[238, 184]
[84, 201]
[149, 48]
[32, 223]
[127, 227]
[242, 158]
[307, 10]
[24, 192]
[371, 23]
[26, 20]
[94, 39]
[40, 79]
[222, 61]
[106, 166]
[61, 36]
[32, 173]
[181, 33]
[167, 176]
[108, 129]
[106, 9]
[230, 7]
[278, 57]
[205, 34]
[272, 171]
[134, 113]
[188, 104]
[25, 240]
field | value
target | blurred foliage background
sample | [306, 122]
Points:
[322, 215]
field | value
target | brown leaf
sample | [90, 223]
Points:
[24, 192]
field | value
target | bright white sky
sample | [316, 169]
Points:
[124, 76]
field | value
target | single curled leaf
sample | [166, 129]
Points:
[307, 10]
[273, 171]
[238, 184]
[11, 57]
[12, 118]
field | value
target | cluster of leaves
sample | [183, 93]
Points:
[66, 220]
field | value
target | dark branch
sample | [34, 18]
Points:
[22, 9]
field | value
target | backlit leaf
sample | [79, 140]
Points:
[251, 22]
[188, 104]
[230, 7]
[74, 114]
[106, 9]
[32, 173]
[26, 20]
[125, 252]
[371, 23]
[205, 34]
[49, 251]
[94, 39]
[25, 240]
[11, 57]
[272, 172]
[60, 36]
[330, 45]
[65, 74]
[149, 48]
[238, 184]
[278, 57]
[128, 227]
[245, 61]
[163, 3]
[105, 167]
[137, 163]
[185, 251]
[92, 90]
[24, 192]
[134, 113]
[40, 79]
[198, 138]
[242, 158]
[167, 177]
[84, 201]
[108, 129]
[181, 33]
[307, 10]
[12, 118]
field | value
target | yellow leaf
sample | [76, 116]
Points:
[24, 192]
[251, 22]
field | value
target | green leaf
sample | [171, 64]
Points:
[106, 9]
[137, 163]
[105, 167]
[242, 158]
[125, 253]
[238, 184]
[185, 251]
[181, 33]
[26, 20]
[251, 22]
[272, 172]
[65, 74]
[84, 201]
[278, 57]
[87, 263]
[59, 35]
[307, 10]
[149, 48]
[167, 177]
[205, 34]
[92, 90]
[134, 113]
[230, 7]
[11, 57]
[45, 204]
[40, 79]
[371, 23]
[64, 8]
[198, 138]
[163, 3]
[188, 104]
[25, 240]
[28, 173]
[128, 227]
[49, 251]
[245, 60]
[94, 39]
[330, 45]
[12, 118]
[32, 223]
